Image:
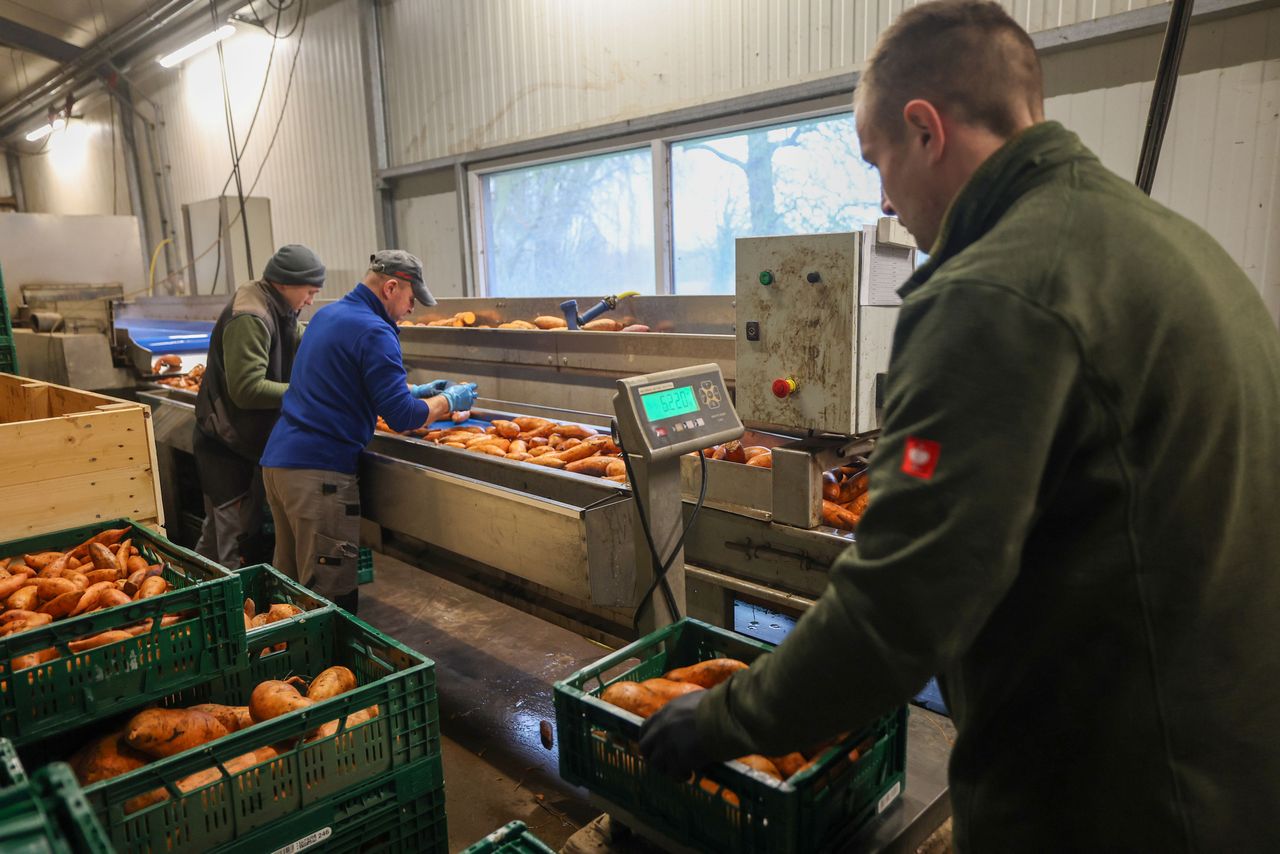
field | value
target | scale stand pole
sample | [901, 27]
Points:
[658, 485]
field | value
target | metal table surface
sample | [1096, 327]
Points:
[900, 829]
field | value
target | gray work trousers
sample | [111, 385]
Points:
[317, 519]
[227, 526]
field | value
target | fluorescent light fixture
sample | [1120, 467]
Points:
[205, 41]
[44, 130]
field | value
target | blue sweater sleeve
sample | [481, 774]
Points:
[385, 378]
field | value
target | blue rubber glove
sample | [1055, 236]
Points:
[669, 739]
[430, 389]
[461, 397]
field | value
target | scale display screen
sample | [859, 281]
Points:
[669, 403]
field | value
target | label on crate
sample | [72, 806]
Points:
[306, 842]
[888, 798]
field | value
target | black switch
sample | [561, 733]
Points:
[753, 330]
[814, 277]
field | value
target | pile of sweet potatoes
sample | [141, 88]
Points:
[103, 572]
[647, 697]
[158, 733]
[535, 441]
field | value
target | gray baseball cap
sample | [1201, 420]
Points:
[402, 265]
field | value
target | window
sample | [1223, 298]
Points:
[574, 227]
[803, 177]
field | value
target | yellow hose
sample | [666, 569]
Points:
[151, 274]
[626, 294]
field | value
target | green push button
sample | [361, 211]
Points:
[766, 278]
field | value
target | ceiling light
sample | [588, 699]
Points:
[44, 130]
[205, 41]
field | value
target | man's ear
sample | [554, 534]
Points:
[925, 128]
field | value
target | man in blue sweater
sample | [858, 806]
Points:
[348, 371]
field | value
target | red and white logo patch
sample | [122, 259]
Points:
[921, 457]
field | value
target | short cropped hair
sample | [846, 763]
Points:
[966, 57]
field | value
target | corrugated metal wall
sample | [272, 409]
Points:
[318, 176]
[463, 76]
[1220, 165]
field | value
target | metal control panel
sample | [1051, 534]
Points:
[815, 318]
[666, 414]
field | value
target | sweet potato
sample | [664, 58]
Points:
[107, 538]
[153, 585]
[635, 327]
[852, 488]
[10, 616]
[667, 690]
[633, 697]
[14, 627]
[604, 444]
[55, 568]
[709, 785]
[603, 324]
[575, 431]
[708, 673]
[107, 757]
[164, 732]
[40, 560]
[123, 553]
[546, 321]
[788, 765]
[506, 429]
[79, 579]
[753, 451]
[31, 659]
[93, 576]
[100, 639]
[273, 698]
[549, 460]
[837, 517]
[830, 487]
[92, 593]
[233, 718]
[757, 762]
[24, 599]
[577, 452]
[23, 571]
[62, 606]
[763, 461]
[102, 557]
[12, 584]
[111, 597]
[331, 682]
[596, 466]
[52, 588]
[135, 579]
[617, 468]
[734, 453]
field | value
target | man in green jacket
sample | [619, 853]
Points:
[1072, 508]
[250, 359]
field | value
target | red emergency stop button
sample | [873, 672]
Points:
[784, 388]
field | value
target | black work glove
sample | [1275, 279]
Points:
[669, 739]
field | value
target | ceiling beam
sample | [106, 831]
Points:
[25, 38]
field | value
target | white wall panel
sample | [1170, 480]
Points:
[318, 175]
[70, 171]
[1219, 165]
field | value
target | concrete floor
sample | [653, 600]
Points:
[495, 667]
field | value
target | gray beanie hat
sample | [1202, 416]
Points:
[295, 264]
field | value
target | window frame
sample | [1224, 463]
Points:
[659, 144]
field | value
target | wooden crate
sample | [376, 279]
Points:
[71, 458]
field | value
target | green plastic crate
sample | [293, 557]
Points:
[402, 811]
[266, 586]
[364, 568]
[72, 689]
[512, 838]
[308, 776]
[8, 350]
[815, 810]
[45, 813]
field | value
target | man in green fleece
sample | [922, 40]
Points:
[1073, 501]
[251, 354]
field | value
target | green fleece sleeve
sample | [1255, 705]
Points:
[978, 385]
[245, 347]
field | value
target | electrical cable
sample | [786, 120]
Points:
[662, 567]
[270, 146]
[229, 115]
